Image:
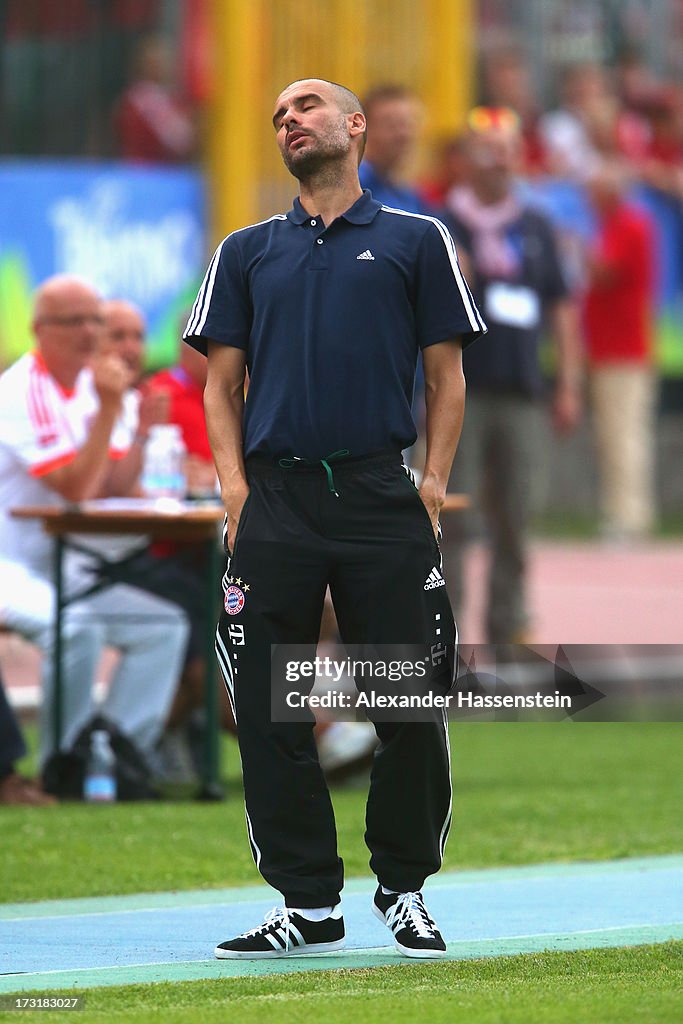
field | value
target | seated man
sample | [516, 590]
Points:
[62, 433]
[171, 570]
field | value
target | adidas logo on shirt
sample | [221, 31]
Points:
[367, 255]
[434, 580]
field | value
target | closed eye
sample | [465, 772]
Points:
[304, 103]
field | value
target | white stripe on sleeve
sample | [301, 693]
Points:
[202, 303]
[476, 322]
[200, 309]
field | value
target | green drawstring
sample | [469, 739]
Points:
[341, 454]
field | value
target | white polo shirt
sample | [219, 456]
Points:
[42, 427]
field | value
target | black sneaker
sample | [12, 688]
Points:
[285, 933]
[415, 933]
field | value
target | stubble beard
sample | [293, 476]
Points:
[322, 162]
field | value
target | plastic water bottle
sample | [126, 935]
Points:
[99, 785]
[163, 474]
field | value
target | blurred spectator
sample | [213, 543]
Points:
[570, 152]
[508, 83]
[63, 426]
[393, 115]
[176, 572]
[61, 67]
[14, 788]
[517, 283]
[618, 321]
[151, 123]
[589, 124]
[123, 335]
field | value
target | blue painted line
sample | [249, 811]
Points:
[166, 936]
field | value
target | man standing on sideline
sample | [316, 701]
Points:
[618, 319]
[62, 433]
[327, 306]
[518, 283]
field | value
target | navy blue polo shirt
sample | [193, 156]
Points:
[331, 319]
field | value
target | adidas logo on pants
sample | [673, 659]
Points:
[434, 580]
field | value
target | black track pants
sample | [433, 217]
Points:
[375, 547]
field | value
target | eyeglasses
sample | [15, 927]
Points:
[484, 119]
[77, 320]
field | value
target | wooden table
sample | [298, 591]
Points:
[187, 522]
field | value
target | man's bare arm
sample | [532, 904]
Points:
[224, 408]
[84, 476]
[123, 477]
[567, 399]
[445, 403]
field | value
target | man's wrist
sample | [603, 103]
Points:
[434, 484]
[233, 498]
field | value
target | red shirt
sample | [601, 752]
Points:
[618, 312]
[187, 408]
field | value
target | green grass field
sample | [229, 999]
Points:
[525, 793]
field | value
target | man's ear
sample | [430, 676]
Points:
[357, 124]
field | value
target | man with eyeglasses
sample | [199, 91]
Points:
[64, 425]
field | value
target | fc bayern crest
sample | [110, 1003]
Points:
[234, 600]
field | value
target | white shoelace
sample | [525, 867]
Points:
[275, 917]
[409, 911]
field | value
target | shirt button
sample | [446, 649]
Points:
[319, 241]
[313, 223]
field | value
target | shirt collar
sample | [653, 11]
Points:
[41, 366]
[363, 211]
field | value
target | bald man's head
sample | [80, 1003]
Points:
[318, 124]
[124, 333]
[63, 292]
[346, 100]
[67, 321]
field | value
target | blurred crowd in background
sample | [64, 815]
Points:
[558, 200]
